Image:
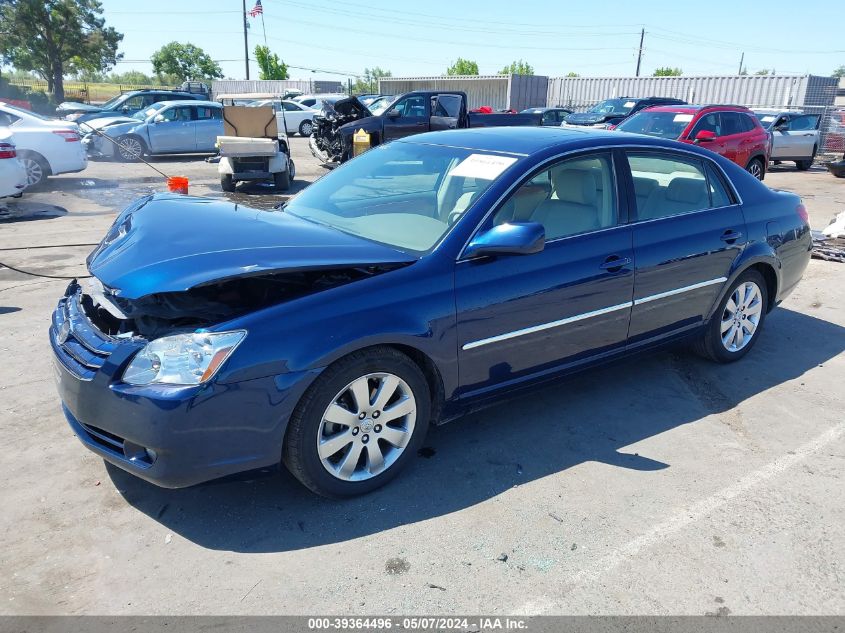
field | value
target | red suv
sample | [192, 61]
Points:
[732, 131]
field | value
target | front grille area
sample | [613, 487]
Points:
[107, 440]
[80, 346]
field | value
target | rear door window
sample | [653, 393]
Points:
[804, 123]
[731, 123]
[448, 105]
[667, 184]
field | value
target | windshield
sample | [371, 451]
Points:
[380, 105]
[663, 124]
[143, 115]
[108, 104]
[404, 195]
[613, 106]
[766, 120]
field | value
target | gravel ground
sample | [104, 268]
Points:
[664, 485]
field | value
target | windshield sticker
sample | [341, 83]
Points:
[768, 119]
[484, 166]
[682, 118]
[630, 104]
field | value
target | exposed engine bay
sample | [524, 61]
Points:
[327, 142]
[168, 313]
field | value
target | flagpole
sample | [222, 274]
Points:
[246, 43]
[263, 28]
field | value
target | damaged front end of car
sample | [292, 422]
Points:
[327, 143]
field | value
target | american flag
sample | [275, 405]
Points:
[257, 9]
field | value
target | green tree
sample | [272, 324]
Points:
[184, 62]
[763, 71]
[269, 64]
[463, 67]
[839, 72]
[517, 68]
[369, 81]
[572, 74]
[55, 37]
[132, 77]
[666, 71]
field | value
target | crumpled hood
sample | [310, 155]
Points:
[589, 118]
[368, 124]
[171, 243]
[108, 122]
[68, 107]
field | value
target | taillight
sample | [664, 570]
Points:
[7, 150]
[801, 210]
[70, 136]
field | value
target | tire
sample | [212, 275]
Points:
[724, 349]
[130, 148]
[37, 168]
[305, 128]
[349, 471]
[756, 168]
[282, 180]
[804, 165]
[226, 183]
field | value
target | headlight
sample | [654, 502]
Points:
[182, 359]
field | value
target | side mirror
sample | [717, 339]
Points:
[393, 114]
[705, 136]
[519, 238]
[158, 118]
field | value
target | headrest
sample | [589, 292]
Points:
[644, 186]
[689, 190]
[575, 185]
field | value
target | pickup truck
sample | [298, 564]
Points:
[410, 113]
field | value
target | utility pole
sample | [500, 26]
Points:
[640, 55]
[741, 59]
[246, 43]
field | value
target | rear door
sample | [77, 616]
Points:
[209, 125]
[734, 138]
[175, 133]
[408, 116]
[687, 233]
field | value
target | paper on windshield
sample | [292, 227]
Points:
[484, 166]
[682, 118]
[768, 119]
[630, 104]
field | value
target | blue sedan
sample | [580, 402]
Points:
[425, 278]
[166, 127]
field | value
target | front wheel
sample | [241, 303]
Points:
[281, 180]
[735, 326]
[756, 169]
[130, 148]
[359, 424]
[305, 128]
[227, 183]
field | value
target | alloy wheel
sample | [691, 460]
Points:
[741, 316]
[34, 171]
[366, 427]
[756, 170]
[130, 148]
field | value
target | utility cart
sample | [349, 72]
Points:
[253, 146]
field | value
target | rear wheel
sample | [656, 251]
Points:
[756, 169]
[227, 183]
[305, 128]
[359, 423]
[736, 324]
[36, 168]
[281, 179]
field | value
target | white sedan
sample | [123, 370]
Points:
[12, 173]
[298, 118]
[45, 147]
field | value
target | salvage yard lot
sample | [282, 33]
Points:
[661, 485]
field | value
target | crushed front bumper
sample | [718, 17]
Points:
[172, 436]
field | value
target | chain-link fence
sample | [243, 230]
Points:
[82, 90]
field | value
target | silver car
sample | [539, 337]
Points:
[794, 135]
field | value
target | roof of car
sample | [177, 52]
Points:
[191, 102]
[696, 107]
[528, 140]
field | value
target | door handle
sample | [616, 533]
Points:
[614, 263]
[730, 236]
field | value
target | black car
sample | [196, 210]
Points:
[614, 111]
[549, 116]
[125, 104]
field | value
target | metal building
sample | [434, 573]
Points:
[275, 86]
[501, 92]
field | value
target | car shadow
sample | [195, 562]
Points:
[590, 417]
[26, 211]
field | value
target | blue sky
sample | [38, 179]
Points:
[422, 38]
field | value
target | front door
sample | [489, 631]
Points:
[176, 132]
[522, 316]
[712, 123]
[209, 125]
[408, 116]
[687, 234]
